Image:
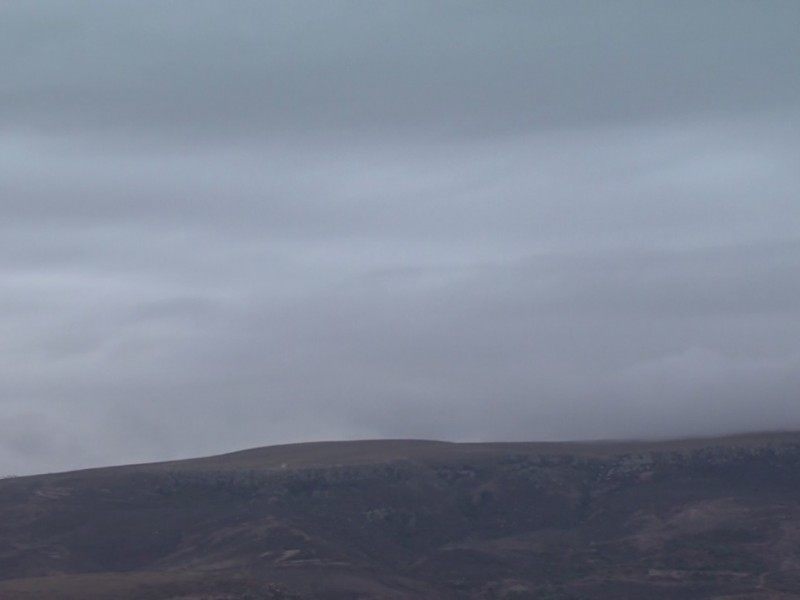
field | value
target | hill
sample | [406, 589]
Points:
[401, 519]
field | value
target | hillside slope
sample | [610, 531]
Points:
[400, 519]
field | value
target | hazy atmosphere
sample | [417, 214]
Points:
[227, 224]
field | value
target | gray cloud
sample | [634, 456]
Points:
[254, 69]
[242, 223]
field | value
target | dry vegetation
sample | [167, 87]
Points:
[415, 519]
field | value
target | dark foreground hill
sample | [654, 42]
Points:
[414, 519]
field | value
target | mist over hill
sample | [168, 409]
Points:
[227, 224]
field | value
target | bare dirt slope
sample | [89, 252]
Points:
[715, 518]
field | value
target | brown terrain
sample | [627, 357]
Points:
[402, 519]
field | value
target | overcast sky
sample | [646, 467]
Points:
[237, 223]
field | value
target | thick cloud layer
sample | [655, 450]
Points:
[231, 224]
